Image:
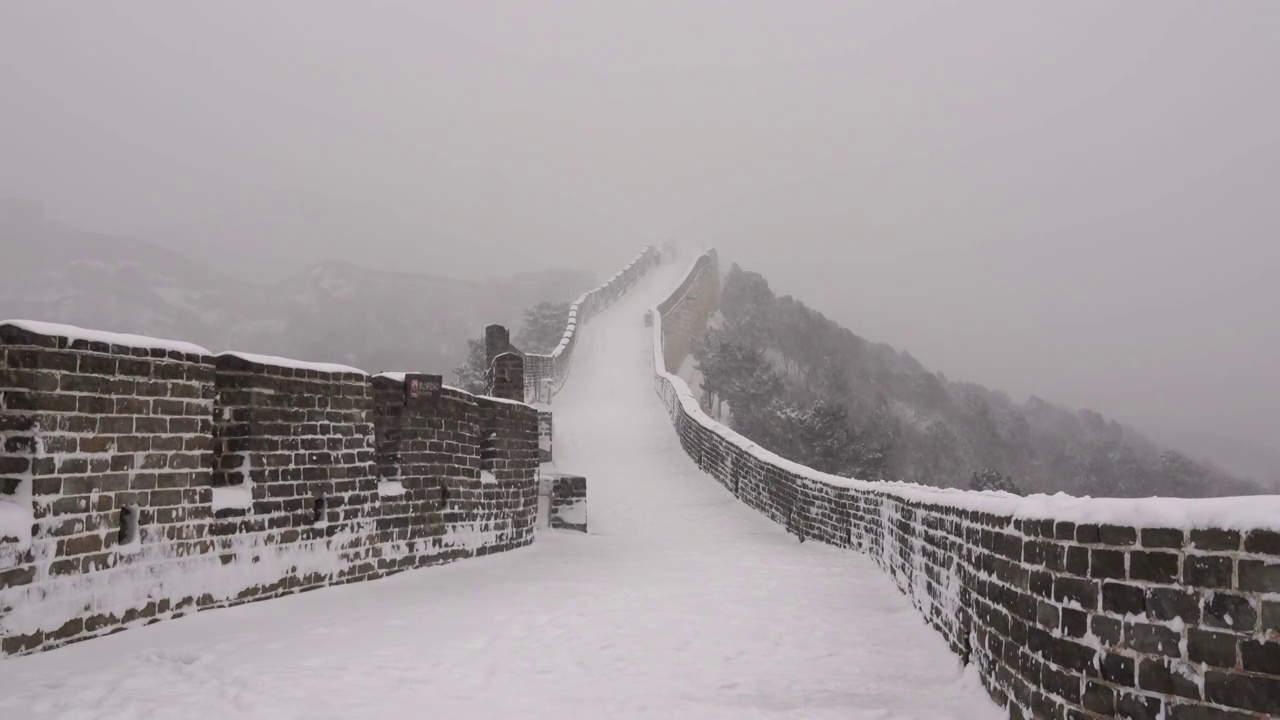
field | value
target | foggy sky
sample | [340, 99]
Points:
[1076, 200]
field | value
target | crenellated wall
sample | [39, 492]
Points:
[544, 375]
[1068, 607]
[142, 480]
[686, 311]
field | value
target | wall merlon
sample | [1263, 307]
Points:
[139, 464]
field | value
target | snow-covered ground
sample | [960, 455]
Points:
[682, 603]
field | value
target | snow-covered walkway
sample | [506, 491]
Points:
[681, 604]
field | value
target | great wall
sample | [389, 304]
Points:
[143, 480]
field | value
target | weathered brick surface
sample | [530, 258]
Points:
[302, 440]
[568, 502]
[1063, 620]
[161, 483]
[509, 468]
[95, 437]
[432, 447]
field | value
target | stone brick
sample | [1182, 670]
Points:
[1123, 599]
[80, 545]
[1118, 669]
[1263, 542]
[1231, 612]
[1099, 698]
[1089, 534]
[1260, 657]
[1108, 630]
[1075, 623]
[1212, 539]
[1152, 639]
[1084, 592]
[1205, 712]
[1271, 617]
[1208, 571]
[1245, 692]
[1168, 603]
[1077, 560]
[1073, 656]
[1139, 707]
[1154, 567]
[1260, 576]
[1117, 535]
[1157, 676]
[1107, 564]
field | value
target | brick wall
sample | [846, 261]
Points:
[107, 455]
[509, 468]
[552, 369]
[1064, 616]
[141, 480]
[428, 454]
[686, 311]
[568, 506]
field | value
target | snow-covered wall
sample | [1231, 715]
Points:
[546, 374]
[1068, 607]
[142, 480]
[686, 312]
[568, 495]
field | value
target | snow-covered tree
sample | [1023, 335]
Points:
[544, 326]
[470, 374]
[991, 479]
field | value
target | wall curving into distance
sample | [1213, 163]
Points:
[1068, 607]
[145, 479]
[546, 374]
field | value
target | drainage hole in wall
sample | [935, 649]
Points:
[128, 533]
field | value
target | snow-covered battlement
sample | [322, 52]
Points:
[1068, 607]
[143, 479]
[550, 371]
[75, 336]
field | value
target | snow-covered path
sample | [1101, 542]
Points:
[681, 604]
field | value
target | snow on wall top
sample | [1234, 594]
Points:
[505, 401]
[572, 325]
[1255, 512]
[294, 364]
[72, 332]
[400, 377]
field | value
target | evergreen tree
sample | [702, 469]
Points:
[990, 479]
[470, 375]
[544, 326]
[802, 386]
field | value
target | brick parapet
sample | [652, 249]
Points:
[235, 478]
[1063, 617]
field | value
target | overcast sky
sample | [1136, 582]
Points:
[1077, 200]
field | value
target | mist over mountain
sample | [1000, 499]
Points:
[801, 385]
[326, 311]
